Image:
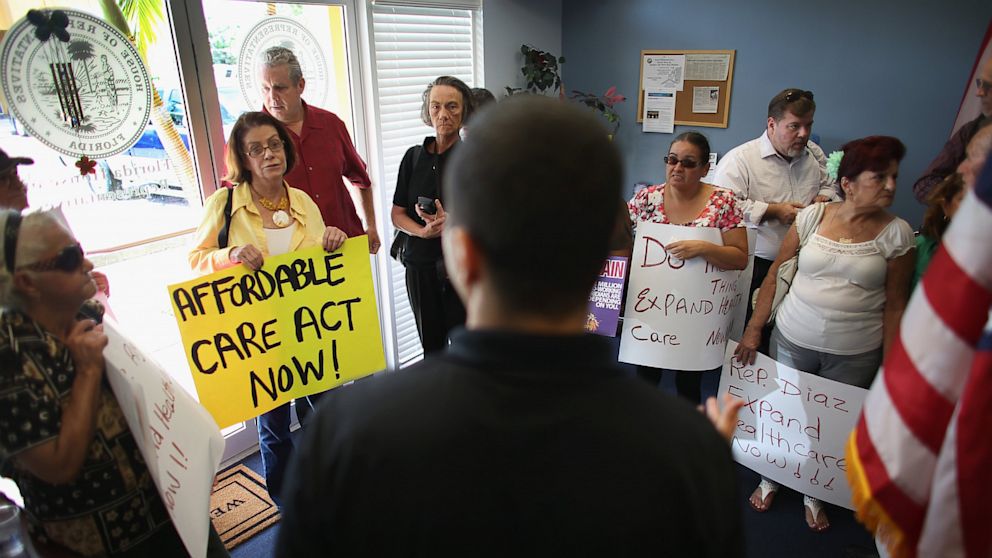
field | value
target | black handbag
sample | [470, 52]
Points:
[398, 248]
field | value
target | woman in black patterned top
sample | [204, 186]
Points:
[63, 436]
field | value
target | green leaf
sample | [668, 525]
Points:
[143, 17]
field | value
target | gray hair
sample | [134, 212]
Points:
[277, 56]
[30, 245]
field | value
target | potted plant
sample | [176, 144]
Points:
[604, 104]
[541, 70]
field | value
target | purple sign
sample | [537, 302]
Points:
[606, 298]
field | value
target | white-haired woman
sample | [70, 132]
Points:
[65, 442]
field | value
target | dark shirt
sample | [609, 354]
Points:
[324, 153]
[112, 505]
[948, 159]
[511, 445]
[421, 178]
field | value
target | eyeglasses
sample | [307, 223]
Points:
[796, 94]
[256, 151]
[982, 85]
[686, 163]
[68, 259]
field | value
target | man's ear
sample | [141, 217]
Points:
[24, 284]
[302, 85]
[771, 123]
[462, 259]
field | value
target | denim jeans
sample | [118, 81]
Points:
[276, 444]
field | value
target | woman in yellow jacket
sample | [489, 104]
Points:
[261, 216]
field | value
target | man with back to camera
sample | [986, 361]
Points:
[323, 146]
[953, 153]
[777, 174]
[524, 437]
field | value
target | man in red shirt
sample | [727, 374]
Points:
[324, 149]
[324, 154]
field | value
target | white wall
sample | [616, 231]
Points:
[507, 24]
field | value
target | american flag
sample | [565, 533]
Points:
[920, 458]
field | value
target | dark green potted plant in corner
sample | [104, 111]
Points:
[541, 70]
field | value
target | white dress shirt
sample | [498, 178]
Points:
[760, 176]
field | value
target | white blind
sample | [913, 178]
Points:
[414, 45]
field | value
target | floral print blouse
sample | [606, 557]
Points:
[721, 211]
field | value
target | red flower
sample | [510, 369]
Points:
[611, 97]
[86, 165]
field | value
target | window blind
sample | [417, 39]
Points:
[413, 45]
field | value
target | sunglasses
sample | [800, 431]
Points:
[686, 163]
[68, 259]
[796, 94]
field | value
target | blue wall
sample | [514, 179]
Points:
[875, 67]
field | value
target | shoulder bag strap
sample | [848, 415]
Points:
[222, 236]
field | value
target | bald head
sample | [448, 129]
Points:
[984, 87]
[536, 186]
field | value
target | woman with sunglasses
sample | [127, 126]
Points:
[65, 441]
[266, 217]
[684, 199]
[845, 303]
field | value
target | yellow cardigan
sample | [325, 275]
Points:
[246, 227]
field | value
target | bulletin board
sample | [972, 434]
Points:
[684, 115]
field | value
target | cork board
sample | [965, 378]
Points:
[684, 116]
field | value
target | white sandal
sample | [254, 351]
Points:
[767, 488]
[815, 508]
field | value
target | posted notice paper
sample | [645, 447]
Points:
[706, 99]
[659, 111]
[662, 71]
[707, 67]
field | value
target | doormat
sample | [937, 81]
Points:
[240, 506]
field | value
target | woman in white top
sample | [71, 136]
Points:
[851, 287]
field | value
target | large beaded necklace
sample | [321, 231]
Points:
[279, 216]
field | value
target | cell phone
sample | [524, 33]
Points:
[93, 310]
[426, 205]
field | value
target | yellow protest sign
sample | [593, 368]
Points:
[304, 323]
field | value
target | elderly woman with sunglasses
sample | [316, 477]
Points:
[684, 199]
[65, 441]
[262, 216]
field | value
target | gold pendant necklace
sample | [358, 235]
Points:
[279, 216]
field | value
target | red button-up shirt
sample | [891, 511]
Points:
[324, 154]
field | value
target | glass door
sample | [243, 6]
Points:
[239, 31]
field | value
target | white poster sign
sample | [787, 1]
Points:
[677, 311]
[178, 438]
[794, 426]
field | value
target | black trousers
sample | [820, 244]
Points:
[435, 304]
[761, 267]
[688, 383]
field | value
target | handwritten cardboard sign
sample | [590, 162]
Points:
[178, 438]
[793, 426]
[304, 323]
[606, 297]
[678, 311]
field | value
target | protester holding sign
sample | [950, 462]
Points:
[65, 441]
[261, 216]
[685, 200]
[851, 287]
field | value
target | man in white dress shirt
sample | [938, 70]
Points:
[776, 175]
